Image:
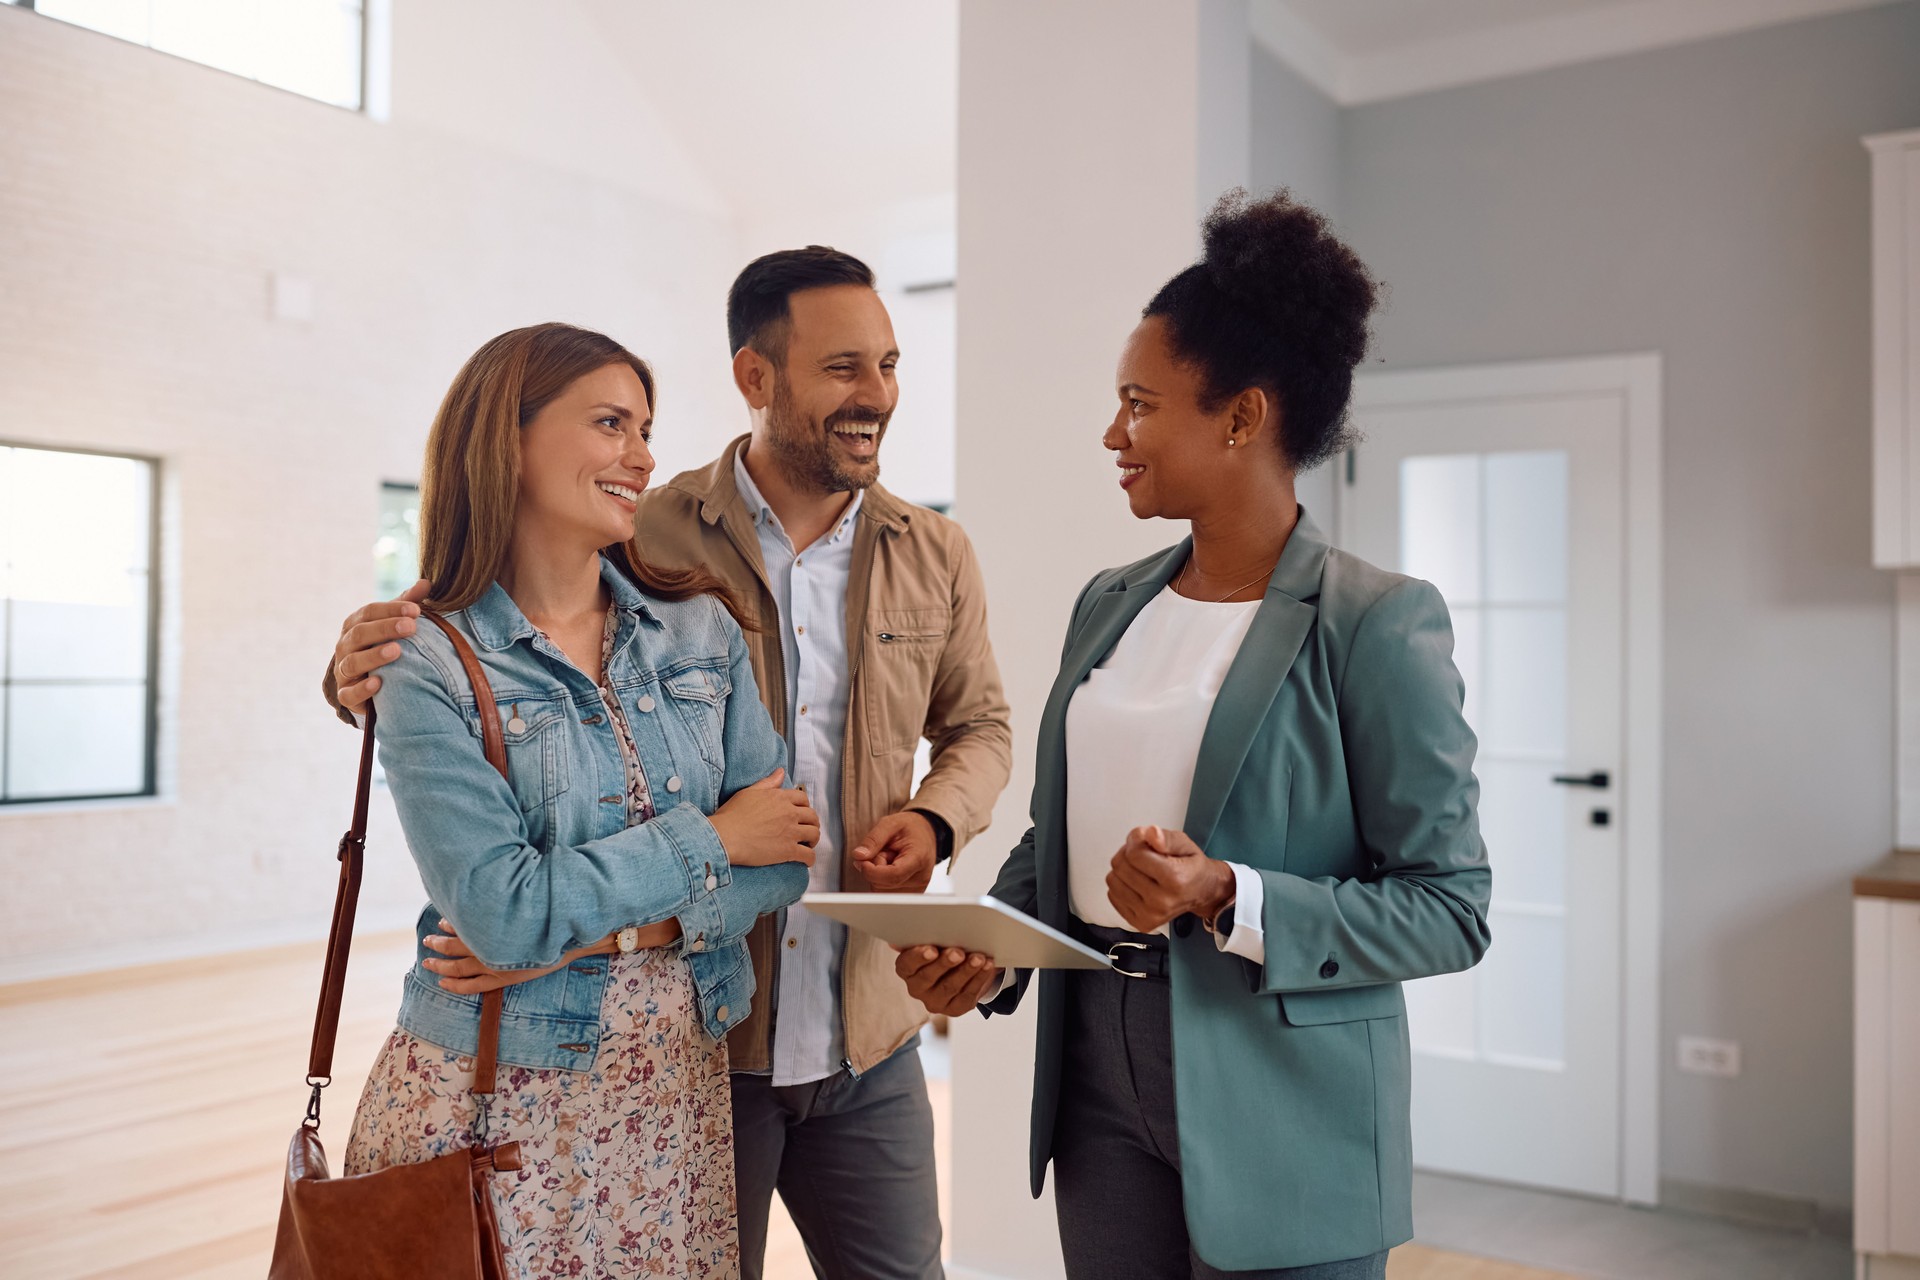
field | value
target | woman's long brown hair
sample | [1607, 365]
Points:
[470, 484]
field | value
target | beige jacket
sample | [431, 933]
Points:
[922, 665]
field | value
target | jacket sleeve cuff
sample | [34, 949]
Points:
[1305, 955]
[942, 832]
[704, 861]
[945, 802]
[1007, 978]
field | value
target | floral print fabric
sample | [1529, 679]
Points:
[627, 1168]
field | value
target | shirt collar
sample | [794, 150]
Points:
[496, 621]
[763, 514]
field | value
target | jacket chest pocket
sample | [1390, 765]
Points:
[903, 648]
[534, 733]
[699, 699]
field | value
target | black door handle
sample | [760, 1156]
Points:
[1599, 778]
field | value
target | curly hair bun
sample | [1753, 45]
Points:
[1282, 258]
[1277, 301]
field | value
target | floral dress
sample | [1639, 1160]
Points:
[627, 1168]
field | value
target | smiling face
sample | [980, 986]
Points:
[1172, 455]
[584, 459]
[835, 394]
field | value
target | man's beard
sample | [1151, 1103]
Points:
[807, 454]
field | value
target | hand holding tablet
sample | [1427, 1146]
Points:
[985, 925]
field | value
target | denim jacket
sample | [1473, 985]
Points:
[542, 862]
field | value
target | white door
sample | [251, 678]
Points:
[1512, 505]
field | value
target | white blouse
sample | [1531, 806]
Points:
[1133, 740]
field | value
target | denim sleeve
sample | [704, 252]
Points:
[515, 906]
[751, 750]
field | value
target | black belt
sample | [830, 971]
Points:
[1133, 955]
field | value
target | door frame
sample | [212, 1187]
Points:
[1636, 379]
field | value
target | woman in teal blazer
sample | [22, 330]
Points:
[1241, 1106]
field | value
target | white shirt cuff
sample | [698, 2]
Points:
[1006, 982]
[1246, 939]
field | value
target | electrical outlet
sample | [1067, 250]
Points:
[1701, 1056]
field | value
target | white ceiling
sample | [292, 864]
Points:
[1366, 50]
[830, 103]
[802, 115]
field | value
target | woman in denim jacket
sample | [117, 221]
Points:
[610, 880]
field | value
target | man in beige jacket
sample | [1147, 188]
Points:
[872, 634]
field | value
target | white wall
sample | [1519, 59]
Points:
[1709, 202]
[146, 202]
[908, 242]
[1907, 696]
[1078, 199]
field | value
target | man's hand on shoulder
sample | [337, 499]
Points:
[369, 640]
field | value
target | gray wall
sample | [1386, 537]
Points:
[1296, 134]
[1296, 144]
[1709, 202]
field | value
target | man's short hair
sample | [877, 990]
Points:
[759, 313]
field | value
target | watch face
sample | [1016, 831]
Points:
[628, 939]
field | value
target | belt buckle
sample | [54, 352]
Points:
[1114, 959]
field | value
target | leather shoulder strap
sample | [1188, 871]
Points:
[490, 739]
[353, 848]
[333, 977]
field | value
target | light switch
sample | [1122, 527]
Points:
[292, 297]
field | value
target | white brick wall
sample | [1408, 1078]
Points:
[144, 204]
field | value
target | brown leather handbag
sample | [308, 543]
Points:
[433, 1219]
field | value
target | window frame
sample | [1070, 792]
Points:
[150, 772]
[370, 48]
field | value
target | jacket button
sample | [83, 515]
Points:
[1183, 926]
[721, 1013]
[698, 944]
[646, 702]
[575, 1048]
[673, 784]
[713, 882]
[1330, 968]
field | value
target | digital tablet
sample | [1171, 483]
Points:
[1014, 939]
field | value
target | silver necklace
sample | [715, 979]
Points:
[1236, 591]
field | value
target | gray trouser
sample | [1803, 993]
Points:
[1116, 1149]
[852, 1158]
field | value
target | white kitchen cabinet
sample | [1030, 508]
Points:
[1886, 1105]
[1896, 349]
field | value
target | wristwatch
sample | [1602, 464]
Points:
[628, 940]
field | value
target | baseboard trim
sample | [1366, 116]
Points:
[1757, 1208]
[17, 970]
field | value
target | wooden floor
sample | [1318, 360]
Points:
[144, 1116]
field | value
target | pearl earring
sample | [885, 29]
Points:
[1231, 442]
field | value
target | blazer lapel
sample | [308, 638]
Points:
[1279, 629]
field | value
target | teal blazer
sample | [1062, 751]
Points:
[1337, 764]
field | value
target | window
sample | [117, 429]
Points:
[315, 48]
[396, 551]
[77, 610]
